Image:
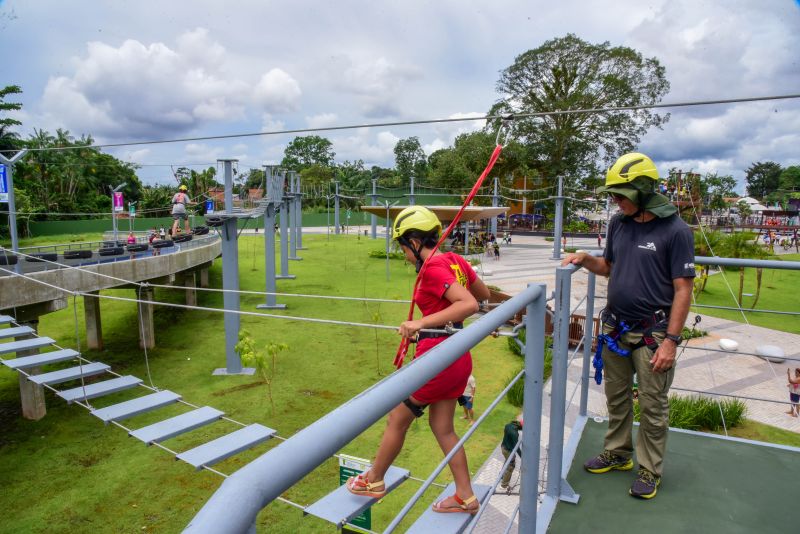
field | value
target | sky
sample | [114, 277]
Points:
[151, 70]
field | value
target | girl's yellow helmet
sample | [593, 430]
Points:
[415, 218]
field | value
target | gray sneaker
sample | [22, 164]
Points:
[606, 461]
[645, 485]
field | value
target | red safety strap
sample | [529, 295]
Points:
[403, 348]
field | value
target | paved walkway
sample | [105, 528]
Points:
[528, 260]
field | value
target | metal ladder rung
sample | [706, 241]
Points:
[73, 373]
[175, 426]
[215, 451]
[16, 331]
[37, 360]
[440, 523]
[25, 344]
[99, 389]
[124, 410]
[340, 506]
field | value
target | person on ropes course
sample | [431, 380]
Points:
[649, 259]
[448, 293]
[179, 202]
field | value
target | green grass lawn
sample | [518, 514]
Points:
[778, 292]
[69, 473]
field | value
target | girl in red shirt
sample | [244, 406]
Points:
[448, 292]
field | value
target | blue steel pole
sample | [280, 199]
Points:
[336, 210]
[411, 200]
[269, 239]
[284, 215]
[12, 207]
[230, 275]
[532, 410]
[373, 217]
[559, 223]
[291, 211]
[299, 214]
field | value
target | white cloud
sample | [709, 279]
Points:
[277, 92]
[323, 120]
[375, 148]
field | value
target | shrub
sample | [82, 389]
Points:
[577, 227]
[690, 333]
[381, 254]
[515, 395]
[701, 413]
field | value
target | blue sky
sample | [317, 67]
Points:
[125, 71]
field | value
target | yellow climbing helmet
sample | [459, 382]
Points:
[629, 167]
[415, 218]
[183, 188]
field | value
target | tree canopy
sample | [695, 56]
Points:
[568, 73]
[762, 178]
[305, 151]
[410, 159]
[9, 140]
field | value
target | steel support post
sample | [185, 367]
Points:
[273, 185]
[284, 216]
[336, 210]
[495, 203]
[466, 238]
[373, 217]
[557, 487]
[12, 206]
[411, 199]
[559, 222]
[532, 411]
[289, 200]
[230, 280]
[587, 342]
[298, 213]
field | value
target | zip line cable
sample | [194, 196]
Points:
[511, 117]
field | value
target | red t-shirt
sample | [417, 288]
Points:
[442, 271]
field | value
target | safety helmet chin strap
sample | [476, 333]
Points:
[404, 241]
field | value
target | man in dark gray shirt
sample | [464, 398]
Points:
[649, 259]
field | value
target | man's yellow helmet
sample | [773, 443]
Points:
[417, 218]
[182, 188]
[629, 167]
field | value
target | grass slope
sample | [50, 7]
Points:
[69, 473]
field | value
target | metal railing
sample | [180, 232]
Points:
[233, 508]
[235, 505]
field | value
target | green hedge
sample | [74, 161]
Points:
[515, 395]
[702, 413]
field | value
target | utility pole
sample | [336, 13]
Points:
[559, 220]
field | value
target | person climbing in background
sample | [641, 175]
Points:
[179, 202]
[467, 400]
[794, 392]
[649, 259]
[510, 439]
[448, 292]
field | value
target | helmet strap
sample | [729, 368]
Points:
[406, 242]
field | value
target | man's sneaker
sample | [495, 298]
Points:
[606, 461]
[645, 485]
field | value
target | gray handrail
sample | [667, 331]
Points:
[234, 506]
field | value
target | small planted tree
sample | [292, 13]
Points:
[264, 361]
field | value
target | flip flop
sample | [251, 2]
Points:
[359, 485]
[462, 506]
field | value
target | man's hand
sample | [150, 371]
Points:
[576, 258]
[664, 358]
[409, 329]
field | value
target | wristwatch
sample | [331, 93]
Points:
[673, 337]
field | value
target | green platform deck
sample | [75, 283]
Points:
[710, 485]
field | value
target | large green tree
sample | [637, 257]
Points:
[409, 159]
[9, 140]
[714, 188]
[568, 73]
[762, 178]
[305, 151]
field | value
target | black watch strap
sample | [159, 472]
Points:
[673, 337]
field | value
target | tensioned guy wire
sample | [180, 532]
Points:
[510, 116]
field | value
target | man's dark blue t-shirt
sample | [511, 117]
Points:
[645, 258]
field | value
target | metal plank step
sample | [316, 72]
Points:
[25, 344]
[215, 451]
[100, 388]
[73, 373]
[440, 523]
[37, 360]
[5, 319]
[16, 331]
[175, 426]
[340, 506]
[124, 410]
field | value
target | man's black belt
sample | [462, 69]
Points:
[430, 335]
[657, 318]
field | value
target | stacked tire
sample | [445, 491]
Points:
[79, 254]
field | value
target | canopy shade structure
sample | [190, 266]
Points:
[445, 213]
